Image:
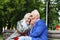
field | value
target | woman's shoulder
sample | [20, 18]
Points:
[20, 21]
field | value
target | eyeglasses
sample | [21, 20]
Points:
[28, 18]
[31, 15]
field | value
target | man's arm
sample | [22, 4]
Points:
[39, 30]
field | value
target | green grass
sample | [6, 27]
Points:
[1, 38]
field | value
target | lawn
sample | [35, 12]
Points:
[1, 38]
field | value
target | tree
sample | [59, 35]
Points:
[53, 14]
[12, 11]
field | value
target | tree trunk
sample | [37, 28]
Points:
[9, 25]
[1, 27]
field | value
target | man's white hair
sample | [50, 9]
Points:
[35, 12]
[26, 15]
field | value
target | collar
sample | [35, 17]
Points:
[37, 20]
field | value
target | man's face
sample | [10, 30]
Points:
[33, 19]
[32, 16]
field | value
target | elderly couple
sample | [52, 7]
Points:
[31, 27]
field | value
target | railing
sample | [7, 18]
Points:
[52, 34]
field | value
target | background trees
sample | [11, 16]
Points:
[12, 11]
[54, 7]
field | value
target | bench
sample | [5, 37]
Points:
[52, 34]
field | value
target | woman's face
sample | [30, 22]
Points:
[28, 20]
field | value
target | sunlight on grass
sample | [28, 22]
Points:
[1, 38]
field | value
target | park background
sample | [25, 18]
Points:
[12, 11]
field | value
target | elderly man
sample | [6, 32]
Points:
[39, 30]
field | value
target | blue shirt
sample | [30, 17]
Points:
[39, 31]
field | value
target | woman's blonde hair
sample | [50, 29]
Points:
[26, 15]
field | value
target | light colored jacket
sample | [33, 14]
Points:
[22, 26]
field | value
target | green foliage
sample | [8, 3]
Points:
[53, 15]
[12, 11]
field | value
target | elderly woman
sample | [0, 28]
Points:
[22, 27]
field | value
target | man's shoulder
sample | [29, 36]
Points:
[40, 21]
